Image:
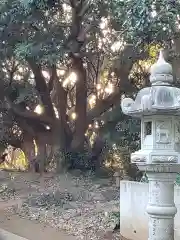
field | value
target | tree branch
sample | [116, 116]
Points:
[42, 88]
[121, 67]
[61, 97]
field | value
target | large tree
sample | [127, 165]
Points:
[75, 59]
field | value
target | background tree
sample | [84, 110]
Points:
[75, 60]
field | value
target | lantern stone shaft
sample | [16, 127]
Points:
[158, 107]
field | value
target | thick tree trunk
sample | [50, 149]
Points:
[81, 106]
[60, 99]
[59, 149]
[49, 153]
[28, 148]
[42, 88]
[41, 154]
[97, 153]
[76, 40]
[59, 158]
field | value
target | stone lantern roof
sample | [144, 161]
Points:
[160, 98]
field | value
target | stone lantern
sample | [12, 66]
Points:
[158, 107]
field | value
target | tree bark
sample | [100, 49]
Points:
[28, 148]
[41, 153]
[81, 106]
[42, 88]
[64, 132]
[77, 38]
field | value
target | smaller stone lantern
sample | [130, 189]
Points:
[158, 107]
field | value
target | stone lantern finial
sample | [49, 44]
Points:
[161, 73]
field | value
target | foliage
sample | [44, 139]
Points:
[75, 59]
[122, 135]
[42, 36]
[121, 129]
[17, 162]
[178, 179]
[144, 178]
[114, 219]
[147, 21]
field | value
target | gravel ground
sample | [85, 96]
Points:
[84, 206]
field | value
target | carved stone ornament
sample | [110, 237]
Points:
[146, 102]
[162, 133]
[126, 105]
[138, 158]
[172, 159]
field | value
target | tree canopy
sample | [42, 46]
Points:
[64, 66]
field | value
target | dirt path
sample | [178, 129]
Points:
[30, 229]
[9, 236]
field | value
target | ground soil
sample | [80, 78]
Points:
[28, 183]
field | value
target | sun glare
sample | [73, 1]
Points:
[45, 74]
[71, 79]
[38, 109]
[73, 115]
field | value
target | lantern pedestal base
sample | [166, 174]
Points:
[161, 208]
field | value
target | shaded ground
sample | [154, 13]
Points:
[82, 205]
[5, 235]
[30, 229]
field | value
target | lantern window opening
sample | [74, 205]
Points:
[148, 128]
